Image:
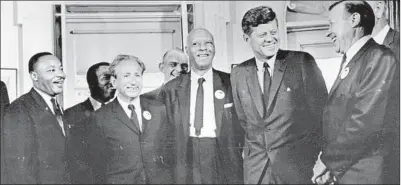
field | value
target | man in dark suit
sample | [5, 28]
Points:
[199, 105]
[279, 96]
[356, 136]
[33, 128]
[126, 137]
[98, 78]
[383, 34]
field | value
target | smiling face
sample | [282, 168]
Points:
[200, 49]
[128, 80]
[264, 40]
[104, 89]
[341, 30]
[48, 75]
[173, 65]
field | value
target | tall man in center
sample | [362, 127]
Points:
[200, 107]
[279, 97]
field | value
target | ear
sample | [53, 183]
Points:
[113, 81]
[34, 76]
[245, 37]
[161, 66]
[186, 50]
[355, 20]
[379, 9]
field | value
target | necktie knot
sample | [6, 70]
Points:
[200, 81]
[131, 107]
[266, 65]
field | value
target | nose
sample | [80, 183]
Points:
[61, 73]
[268, 38]
[178, 68]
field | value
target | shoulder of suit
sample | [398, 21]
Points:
[20, 105]
[78, 108]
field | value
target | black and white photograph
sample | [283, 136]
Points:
[200, 92]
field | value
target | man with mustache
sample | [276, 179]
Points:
[126, 138]
[207, 137]
[34, 130]
[98, 79]
[279, 96]
[356, 136]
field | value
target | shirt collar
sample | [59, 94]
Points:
[357, 46]
[379, 37]
[45, 97]
[125, 104]
[208, 76]
[95, 104]
[270, 61]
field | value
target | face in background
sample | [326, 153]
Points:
[200, 49]
[341, 29]
[379, 8]
[128, 80]
[104, 90]
[48, 75]
[264, 40]
[174, 64]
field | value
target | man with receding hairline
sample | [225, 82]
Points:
[207, 137]
[34, 130]
[356, 137]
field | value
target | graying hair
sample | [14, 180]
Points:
[119, 58]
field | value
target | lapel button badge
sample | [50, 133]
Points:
[219, 94]
[288, 89]
[146, 114]
[344, 73]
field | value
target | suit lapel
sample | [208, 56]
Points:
[218, 103]
[184, 96]
[122, 116]
[88, 105]
[280, 65]
[388, 41]
[254, 87]
[350, 65]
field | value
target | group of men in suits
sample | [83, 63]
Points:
[271, 121]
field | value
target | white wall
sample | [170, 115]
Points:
[26, 28]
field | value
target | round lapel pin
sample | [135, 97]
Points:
[219, 94]
[146, 114]
[344, 73]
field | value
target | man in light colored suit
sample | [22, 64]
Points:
[279, 97]
[356, 136]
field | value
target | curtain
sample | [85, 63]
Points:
[394, 14]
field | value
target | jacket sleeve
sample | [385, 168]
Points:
[316, 97]
[365, 120]
[237, 102]
[19, 147]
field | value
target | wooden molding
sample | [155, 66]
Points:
[307, 26]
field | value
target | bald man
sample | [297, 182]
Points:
[206, 130]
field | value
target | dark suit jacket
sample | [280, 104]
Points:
[285, 143]
[77, 117]
[120, 153]
[354, 130]
[4, 101]
[34, 145]
[176, 95]
[392, 118]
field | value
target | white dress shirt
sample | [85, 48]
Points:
[355, 48]
[96, 104]
[209, 122]
[379, 37]
[138, 109]
[261, 70]
[47, 99]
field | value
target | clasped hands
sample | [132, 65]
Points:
[321, 175]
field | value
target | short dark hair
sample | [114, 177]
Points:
[363, 9]
[256, 16]
[91, 76]
[34, 59]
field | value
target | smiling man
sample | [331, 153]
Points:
[126, 138]
[33, 128]
[356, 136]
[199, 104]
[279, 97]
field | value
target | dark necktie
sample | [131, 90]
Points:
[59, 114]
[266, 85]
[134, 117]
[198, 123]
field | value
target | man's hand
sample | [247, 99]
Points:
[325, 178]
[319, 169]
